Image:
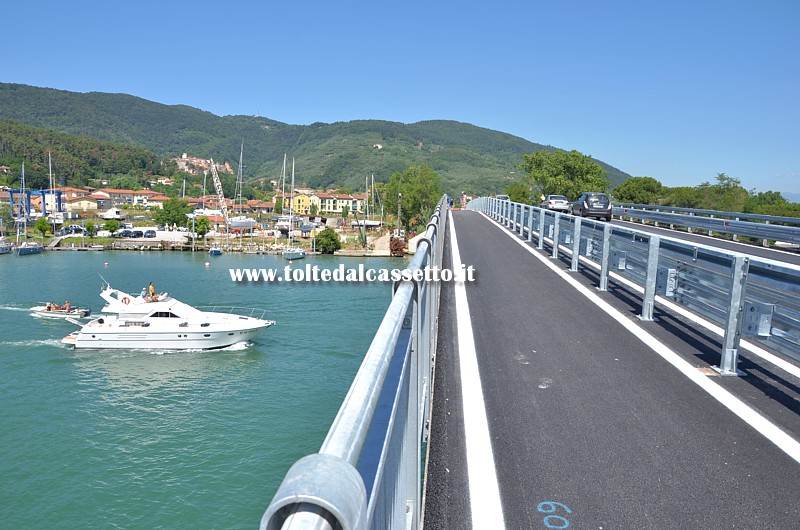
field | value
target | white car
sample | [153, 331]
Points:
[555, 202]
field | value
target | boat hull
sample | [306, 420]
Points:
[142, 339]
[76, 312]
[28, 250]
[294, 253]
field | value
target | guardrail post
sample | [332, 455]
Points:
[540, 245]
[764, 241]
[648, 302]
[733, 323]
[521, 220]
[606, 256]
[556, 230]
[576, 245]
[530, 223]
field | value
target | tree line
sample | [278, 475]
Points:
[571, 173]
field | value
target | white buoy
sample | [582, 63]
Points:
[207, 264]
[105, 264]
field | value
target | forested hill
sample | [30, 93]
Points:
[326, 155]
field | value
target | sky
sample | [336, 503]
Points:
[679, 91]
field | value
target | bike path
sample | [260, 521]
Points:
[589, 427]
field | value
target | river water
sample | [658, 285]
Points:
[198, 439]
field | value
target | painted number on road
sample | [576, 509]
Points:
[554, 520]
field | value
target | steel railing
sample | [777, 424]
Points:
[764, 227]
[368, 472]
[745, 295]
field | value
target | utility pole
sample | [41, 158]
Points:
[399, 224]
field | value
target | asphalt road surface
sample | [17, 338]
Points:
[594, 418]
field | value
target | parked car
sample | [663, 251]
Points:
[593, 204]
[137, 233]
[149, 233]
[555, 202]
[123, 233]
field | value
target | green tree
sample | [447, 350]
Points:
[202, 226]
[327, 241]
[519, 192]
[563, 173]
[279, 205]
[42, 226]
[312, 210]
[639, 190]
[89, 226]
[345, 212]
[726, 195]
[112, 225]
[770, 200]
[172, 212]
[682, 197]
[421, 191]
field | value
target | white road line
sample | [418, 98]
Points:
[766, 428]
[484, 493]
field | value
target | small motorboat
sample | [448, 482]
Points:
[51, 310]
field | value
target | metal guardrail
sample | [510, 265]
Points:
[747, 296]
[739, 216]
[368, 472]
[736, 224]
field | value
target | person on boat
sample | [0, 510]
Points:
[152, 292]
[66, 306]
[49, 306]
[143, 294]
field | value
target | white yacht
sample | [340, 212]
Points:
[164, 323]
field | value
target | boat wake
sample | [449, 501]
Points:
[12, 308]
[40, 342]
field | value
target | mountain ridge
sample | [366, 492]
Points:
[339, 154]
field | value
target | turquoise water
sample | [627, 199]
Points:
[137, 439]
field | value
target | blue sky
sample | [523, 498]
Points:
[679, 91]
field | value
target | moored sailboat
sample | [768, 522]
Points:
[293, 252]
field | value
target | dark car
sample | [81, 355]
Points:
[593, 204]
[137, 233]
[149, 233]
[124, 233]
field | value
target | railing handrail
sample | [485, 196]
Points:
[735, 227]
[328, 489]
[716, 213]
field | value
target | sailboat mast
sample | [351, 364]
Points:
[52, 190]
[239, 181]
[291, 210]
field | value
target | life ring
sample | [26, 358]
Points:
[126, 300]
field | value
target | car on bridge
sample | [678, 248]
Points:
[558, 203]
[593, 204]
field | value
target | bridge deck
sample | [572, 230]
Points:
[583, 413]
